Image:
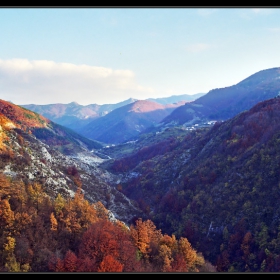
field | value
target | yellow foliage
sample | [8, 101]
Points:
[171, 242]
[144, 233]
[25, 267]
[77, 213]
[36, 194]
[9, 246]
[12, 265]
[188, 253]
[165, 254]
[59, 204]
[53, 222]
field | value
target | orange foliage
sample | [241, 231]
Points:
[99, 241]
[21, 117]
[179, 264]
[53, 222]
[110, 264]
[4, 185]
[78, 213]
[109, 247]
[6, 215]
[143, 234]
[22, 221]
[187, 251]
[171, 242]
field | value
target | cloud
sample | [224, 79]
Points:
[44, 82]
[199, 47]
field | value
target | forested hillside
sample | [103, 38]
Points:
[41, 234]
[175, 198]
[59, 212]
[218, 187]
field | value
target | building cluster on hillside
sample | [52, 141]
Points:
[195, 126]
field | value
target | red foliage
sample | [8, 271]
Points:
[70, 261]
[59, 266]
[223, 262]
[86, 265]
[110, 264]
[105, 241]
[179, 264]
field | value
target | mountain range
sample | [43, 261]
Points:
[102, 123]
[126, 122]
[225, 103]
[206, 170]
[75, 116]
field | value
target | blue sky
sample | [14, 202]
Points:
[107, 55]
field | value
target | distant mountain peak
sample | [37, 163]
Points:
[74, 103]
[145, 106]
[224, 103]
[263, 76]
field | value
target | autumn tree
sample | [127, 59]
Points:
[36, 194]
[107, 246]
[110, 264]
[7, 216]
[53, 221]
[185, 248]
[144, 233]
[8, 251]
[70, 262]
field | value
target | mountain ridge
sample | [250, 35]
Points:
[224, 103]
[215, 186]
[74, 116]
[126, 122]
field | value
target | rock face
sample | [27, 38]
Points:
[25, 156]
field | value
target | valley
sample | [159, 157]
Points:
[205, 170]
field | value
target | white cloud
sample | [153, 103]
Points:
[199, 47]
[44, 82]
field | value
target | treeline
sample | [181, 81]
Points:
[63, 234]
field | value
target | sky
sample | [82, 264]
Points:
[95, 55]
